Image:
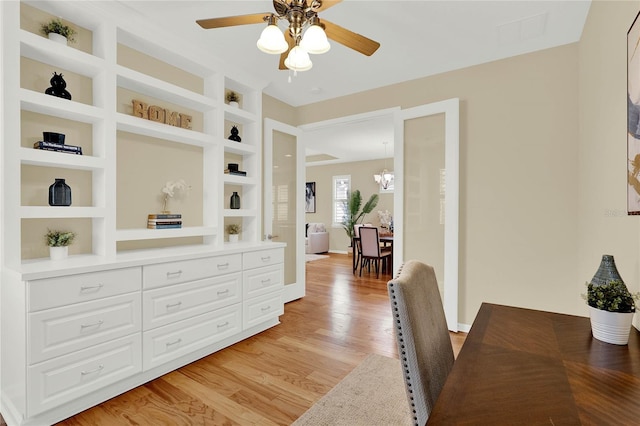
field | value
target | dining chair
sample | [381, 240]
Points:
[422, 335]
[371, 252]
[357, 251]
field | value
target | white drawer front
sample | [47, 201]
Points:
[164, 274]
[164, 305]
[172, 341]
[59, 331]
[260, 309]
[62, 291]
[63, 379]
[257, 259]
[261, 281]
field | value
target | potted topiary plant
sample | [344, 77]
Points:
[58, 242]
[233, 229]
[233, 98]
[611, 305]
[58, 32]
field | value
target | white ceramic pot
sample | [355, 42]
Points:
[234, 104]
[58, 38]
[233, 238]
[610, 327]
[58, 253]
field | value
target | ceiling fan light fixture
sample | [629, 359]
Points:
[298, 60]
[315, 40]
[272, 40]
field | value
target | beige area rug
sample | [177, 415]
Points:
[312, 257]
[372, 394]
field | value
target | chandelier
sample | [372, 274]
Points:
[313, 41]
[385, 177]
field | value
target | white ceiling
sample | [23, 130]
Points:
[418, 39]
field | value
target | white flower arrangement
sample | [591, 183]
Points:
[170, 189]
[385, 218]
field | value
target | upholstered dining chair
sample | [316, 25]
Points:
[371, 252]
[422, 335]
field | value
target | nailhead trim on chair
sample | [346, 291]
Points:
[405, 365]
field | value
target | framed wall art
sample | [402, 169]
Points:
[310, 198]
[633, 118]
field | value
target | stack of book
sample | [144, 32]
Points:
[235, 172]
[59, 147]
[164, 221]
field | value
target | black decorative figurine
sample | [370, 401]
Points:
[234, 134]
[59, 193]
[58, 87]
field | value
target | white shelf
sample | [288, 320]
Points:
[49, 212]
[44, 50]
[151, 234]
[59, 107]
[141, 126]
[239, 212]
[239, 148]
[144, 84]
[239, 115]
[238, 180]
[39, 157]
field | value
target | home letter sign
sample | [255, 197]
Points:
[160, 115]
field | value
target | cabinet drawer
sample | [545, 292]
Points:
[62, 291]
[59, 331]
[261, 281]
[257, 259]
[164, 305]
[175, 340]
[189, 270]
[262, 308]
[60, 380]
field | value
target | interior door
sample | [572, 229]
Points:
[283, 210]
[426, 197]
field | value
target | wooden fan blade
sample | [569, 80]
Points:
[326, 4]
[352, 40]
[283, 56]
[230, 21]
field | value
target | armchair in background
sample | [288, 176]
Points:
[317, 238]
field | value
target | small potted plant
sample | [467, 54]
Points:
[233, 229]
[611, 305]
[58, 32]
[58, 242]
[233, 98]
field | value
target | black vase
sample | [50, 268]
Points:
[235, 201]
[59, 193]
[607, 272]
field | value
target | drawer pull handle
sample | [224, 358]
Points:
[95, 324]
[173, 305]
[175, 342]
[226, 323]
[266, 258]
[91, 287]
[223, 265]
[267, 281]
[264, 309]
[221, 292]
[175, 274]
[95, 370]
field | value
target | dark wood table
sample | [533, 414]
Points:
[525, 367]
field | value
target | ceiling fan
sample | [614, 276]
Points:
[294, 46]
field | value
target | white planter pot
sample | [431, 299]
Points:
[234, 104]
[233, 238]
[58, 38]
[58, 253]
[610, 327]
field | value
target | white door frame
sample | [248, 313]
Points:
[451, 109]
[296, 290]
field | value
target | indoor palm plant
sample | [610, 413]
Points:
[353, 214]
[58, 242]
[611, 304]
[56, 27]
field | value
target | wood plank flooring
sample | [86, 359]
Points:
[275, 376]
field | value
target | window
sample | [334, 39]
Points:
[341, 187]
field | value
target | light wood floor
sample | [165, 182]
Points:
[274, 377]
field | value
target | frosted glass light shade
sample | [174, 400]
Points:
[315, 40]
[272, 40]
[298, 60]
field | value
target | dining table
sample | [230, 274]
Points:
[385, 238]
[522, 366]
